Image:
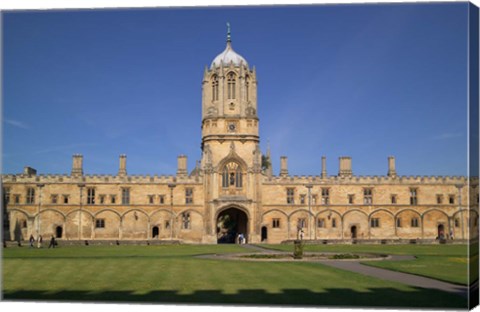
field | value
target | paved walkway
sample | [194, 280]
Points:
[404, 278]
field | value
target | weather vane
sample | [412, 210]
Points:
[228, 32]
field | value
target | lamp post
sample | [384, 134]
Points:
[171, 186]
[81, 186]
[459, 187]
[40, 186]
[309, 187]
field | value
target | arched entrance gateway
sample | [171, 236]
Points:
[231, 222]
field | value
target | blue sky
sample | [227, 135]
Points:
[365, 81]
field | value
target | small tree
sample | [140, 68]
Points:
[265, 162]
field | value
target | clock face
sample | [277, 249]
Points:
[232, 127]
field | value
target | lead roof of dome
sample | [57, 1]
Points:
[228, 55]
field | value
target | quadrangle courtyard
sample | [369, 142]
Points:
[175, 274]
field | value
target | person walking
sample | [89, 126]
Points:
[52, 242]
[39, 241]
[32, 241]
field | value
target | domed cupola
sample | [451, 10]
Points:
[228, 56]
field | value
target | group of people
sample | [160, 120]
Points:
[52, 244]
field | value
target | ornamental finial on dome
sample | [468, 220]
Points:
[229, 39]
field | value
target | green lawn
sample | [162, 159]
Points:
[443, 262]
[169, 274]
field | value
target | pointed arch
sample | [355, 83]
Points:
[51, 209]
[231, 85]
[407, 209]
[381, 209]
[247, 87]
[78, 210]
[328, 210]
[434, 209]
[108, 210]
[355, 210]
[275, 210]
[215, 84]
[133, 210]
[161, 210]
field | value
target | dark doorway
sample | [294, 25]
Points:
[441, 231]
[59, 232]
[353, 231]
[264, 233]
[231, 223]
[155, 232]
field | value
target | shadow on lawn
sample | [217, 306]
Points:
[375, 297]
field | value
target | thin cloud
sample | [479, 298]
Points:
[59, 148]
[16, 123]
[446, 136]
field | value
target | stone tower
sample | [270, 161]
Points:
[231, 159]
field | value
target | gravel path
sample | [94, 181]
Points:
[404, 278]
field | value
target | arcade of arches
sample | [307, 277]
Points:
[234, 190]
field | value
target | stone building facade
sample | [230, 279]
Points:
[233, 190]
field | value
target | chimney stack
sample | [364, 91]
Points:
[29, 171]
[122, 170]
[345, 167]
[324, 167]
[182, 166]
[283, 166]
[77, 166]
[391, 167]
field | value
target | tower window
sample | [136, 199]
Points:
[302, 199]
[350, 198]
[232, 175]
[325, 196]
[413, 196]
[231, 86]
[91, 196]
[30, 195]
[393, 198]
[414, 222]
[451, 199]
[439, 199]
[275, 223]
[301, 223]
[188, 195]
[247, 84]
[321, 223]
[290, 195]
[186, 220]
[215, 88]
[100, 223]
[367, 196]
[125, 196]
